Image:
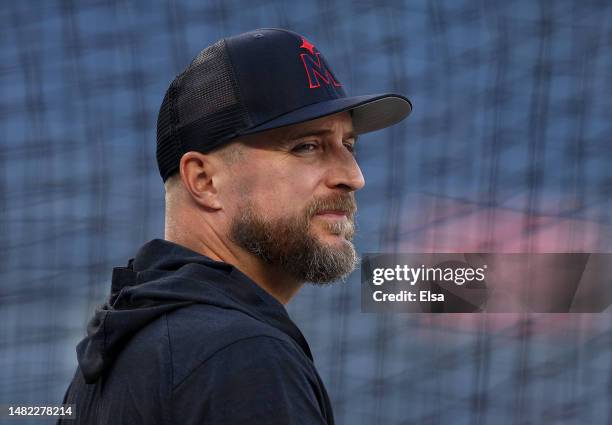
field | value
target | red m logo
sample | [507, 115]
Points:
[315, 70]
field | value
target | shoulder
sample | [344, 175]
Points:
[255, 357]
[199, 333]
[260, 379]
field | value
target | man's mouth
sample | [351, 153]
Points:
[333, 214]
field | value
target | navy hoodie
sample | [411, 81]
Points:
[185, 340]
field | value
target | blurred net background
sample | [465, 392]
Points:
[508, 149]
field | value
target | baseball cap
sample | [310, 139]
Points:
[256, 81]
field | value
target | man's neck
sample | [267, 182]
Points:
[274, 281]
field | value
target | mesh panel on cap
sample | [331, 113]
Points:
[168, 145]
[207, 86]
[202, 109]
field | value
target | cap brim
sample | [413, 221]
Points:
[370, 112]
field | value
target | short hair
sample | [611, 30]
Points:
[231, 153]
[172, 180]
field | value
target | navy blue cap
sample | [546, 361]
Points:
[257, 81]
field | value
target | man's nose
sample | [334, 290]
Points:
[345, 173]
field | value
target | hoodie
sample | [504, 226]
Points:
[184, 339]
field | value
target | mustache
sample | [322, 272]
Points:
[344, 203]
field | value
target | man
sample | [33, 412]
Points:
[255, 145]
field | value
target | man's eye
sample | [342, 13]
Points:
[350, 148]
[305, 147]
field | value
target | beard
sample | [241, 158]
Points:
[288, 244]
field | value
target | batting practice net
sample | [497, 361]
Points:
[507, 150]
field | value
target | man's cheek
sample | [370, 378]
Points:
[244, 186]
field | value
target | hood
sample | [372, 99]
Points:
[162, 277]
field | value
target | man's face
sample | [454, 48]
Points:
[293, 198]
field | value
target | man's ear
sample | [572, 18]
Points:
[198, 173]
